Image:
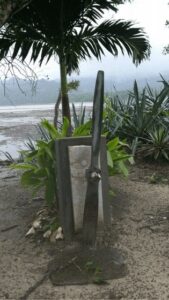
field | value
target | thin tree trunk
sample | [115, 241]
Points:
[64, 92]
[56, 110]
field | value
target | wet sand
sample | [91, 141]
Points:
[19, 124]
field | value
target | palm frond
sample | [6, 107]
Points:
[47, 28]
[111, 36]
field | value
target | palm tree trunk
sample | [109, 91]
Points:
[56, 112]
[64, 91]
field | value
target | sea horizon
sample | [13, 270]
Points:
[29, 107]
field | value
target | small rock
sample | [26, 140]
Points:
[31, 231]
[37, 224]
[47, 234]
[59, 234]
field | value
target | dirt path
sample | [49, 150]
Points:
[140, 228]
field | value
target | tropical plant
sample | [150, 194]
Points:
[112, 117]
[136, 116]
[117, 157]
[78, 116]
[52, 28]
[39, 161]
[156, 145]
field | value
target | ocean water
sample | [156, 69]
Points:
[40, 107]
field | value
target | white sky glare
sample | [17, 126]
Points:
[148, 14]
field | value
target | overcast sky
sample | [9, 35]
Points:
[149, 14]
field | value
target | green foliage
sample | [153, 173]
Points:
[112, 118]
[39, 170]
[156, 145]
[83, 130]
[73, 85]
[78, 117]
[30, 32]
[117, 157]
[43, 29]
[39, 162]
[136, 118]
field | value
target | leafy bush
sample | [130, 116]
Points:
[39, 162]
[117, 157]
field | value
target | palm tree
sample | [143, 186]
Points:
[69, 29]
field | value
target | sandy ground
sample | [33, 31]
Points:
[140, 228]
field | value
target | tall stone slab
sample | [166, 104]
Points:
[73, 159]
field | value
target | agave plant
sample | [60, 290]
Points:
[139, 113]
[156, 145]
[78, 116]
[112, 117]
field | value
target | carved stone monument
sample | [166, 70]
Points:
[82, 177]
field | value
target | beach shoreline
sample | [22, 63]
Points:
[17, 125]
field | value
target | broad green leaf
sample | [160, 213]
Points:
[83, 130]
[123, 168]
[29, 178]
[109, 160]
[113, 144]
[23, 166]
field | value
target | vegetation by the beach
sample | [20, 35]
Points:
[39, 161]
[138, 125]
[142, 119]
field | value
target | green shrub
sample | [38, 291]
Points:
[117, 157]
[39, 162]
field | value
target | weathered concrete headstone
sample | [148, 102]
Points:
[73, 158]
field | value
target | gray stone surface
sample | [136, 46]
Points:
[65, 184]
[79, 158]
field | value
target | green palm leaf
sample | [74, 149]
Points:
[68, 29]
